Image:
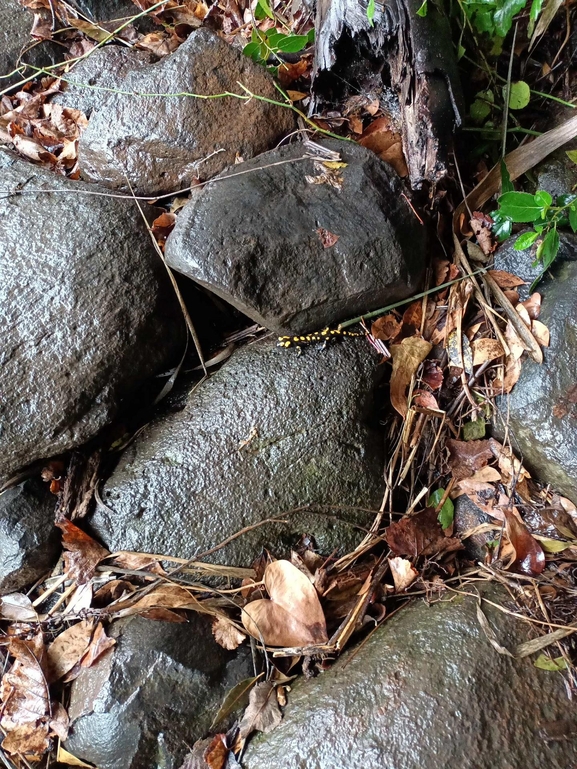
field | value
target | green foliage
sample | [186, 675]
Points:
[423, 9]
[447, 512]
[474, 431]
[264, 45]
[546, 663]
[371, 12]
[495, 17]
[545, 218]
[519, 95]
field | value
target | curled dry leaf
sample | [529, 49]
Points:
[165, 596]
[293, 616]
[466, 457]
[529, 556]
[533, 305]
[386, 328]
[404, 573]
[17, 607]
[541, 333]
[420, 534]
[83, 553]
[486, 349]
[407, 357]
[226, 634]
[68, 649]
[217, 752]
[506, 279]
[481, 227]
[432, 375]
[425, 400]
[262, 713]
[510, 376]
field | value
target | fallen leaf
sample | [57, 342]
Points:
[481, 226]
[17, 607]
[466, 457]
[328, 239]
[226, 634]
[59, 724]
[30, 740]
[510, 376]
[64, 757]
[158, 43]
[407, 357]
[386, 328]
[403, 572]
[83, 553]
[533, 305]
[420, 534]
[165, 596]
[541, 333]
[99, 644]
[216, 754]
[263, 713]
[93, 31]
[485, 350]
[425, 400]
[292, 616]
[432, 375]
[381, 138]
[506, 279]
[235, 699]
[529, 555]
[68, 649]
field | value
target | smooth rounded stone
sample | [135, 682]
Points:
[29, 542]
[153, 694]
[268, 433]
[256, 239]
[541, 411]
[105, 68]
[467, 517]
[162, 143]
[426, 691]
[86, 310]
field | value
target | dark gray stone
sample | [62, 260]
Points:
[187, 483]
[542, 408]
[253, 239]
[162, 143]
[86, 312]
[156, 691]
[467, 517]
[426, 691]
[16, 45]
[29, 542]
[105, 68]
[557, 174]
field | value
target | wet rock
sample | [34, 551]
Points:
[268, 433]
[257, 239]
[29, 542]
[156, 691]
[542, 408]
[467, 517]
[557, 174]
[16, 45]
[105, 68]
[162, 143]
[86, 311]
[426, 690]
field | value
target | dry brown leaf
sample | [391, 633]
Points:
[523, 314]
[420, 534]
[510, 377]
[158, 43]
[64, 757]
[481, 226]
[533, 305]
[262, 713]
[506, 279]
[381, 138]
[425, 400]
[516, 346]
[541, 333]
[407, 357]
[529, 555]
[486, 349]
[30, 740]
[68, 649]
[216, 754]
[328, 239]
[466, 457]
[432, 375]
[83, 553]
[17, 607]
[99, 644]
[293, 616]
[59, 721]
[165, 596]
[404, 573]
[386, 328]
[226, 634]
[510, 467]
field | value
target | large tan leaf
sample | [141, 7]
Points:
[293, 616]
[407, 357]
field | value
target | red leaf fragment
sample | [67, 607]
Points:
[466, 457]
[420, 534]
[529, 555]
[328, 239]
[83, 553]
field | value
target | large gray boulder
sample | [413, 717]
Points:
[257, 240]
[268, 433]
[86, 310]
[163, 142]
[153, 694]
[542, 408]
[29, 541]
[427, 691]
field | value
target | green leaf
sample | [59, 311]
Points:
[234, 700]
[525, 240]
[447, 512]
[534, 13]
[311, 35]
[474, 431]
[371, 12]
[502, 226]
[565, 199]
[519, 95]
[573, 218]
[543, 198]
[252, 50]
[506, 183]
[549, 248]
[572, 155]
[264, 6]
[483, 21]
[461, 51]
[423, 9]
[503, 18]
[519, 206]
[292, 43]
[545, 663]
